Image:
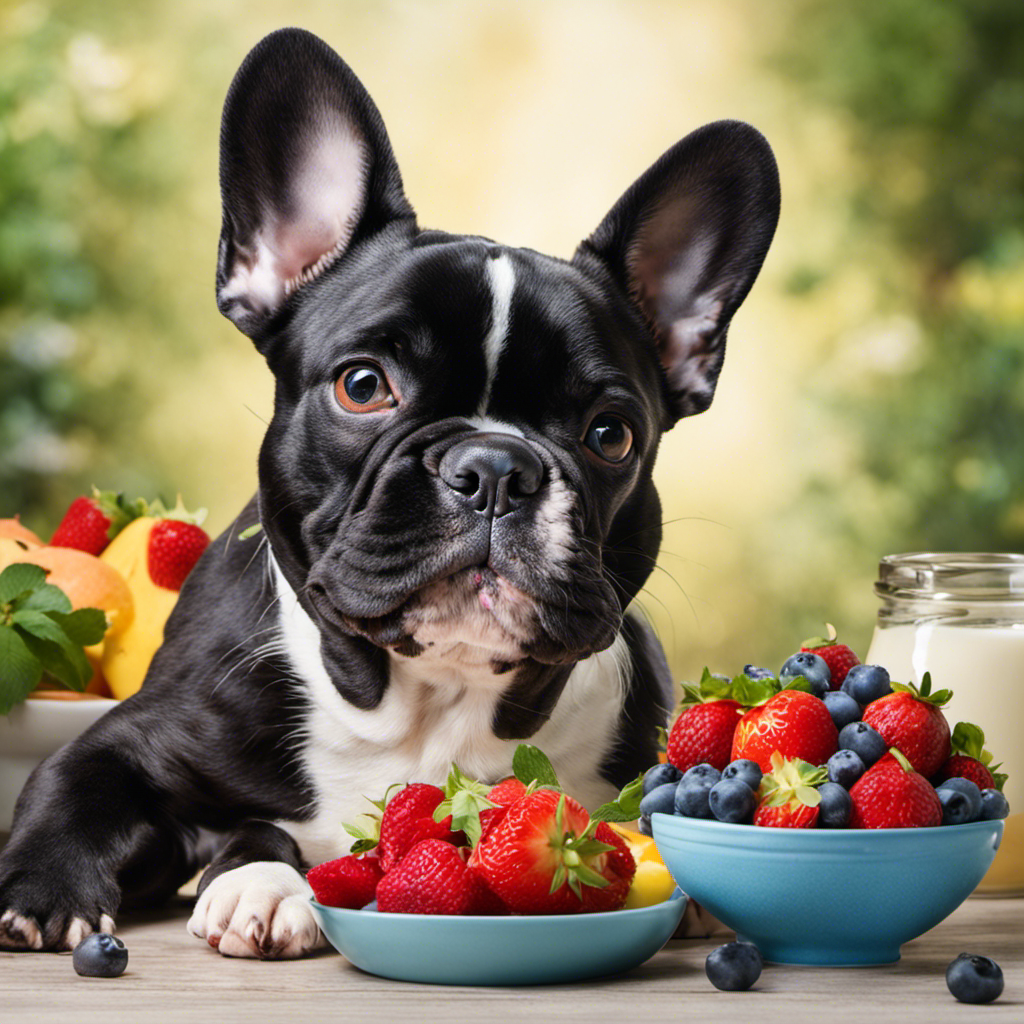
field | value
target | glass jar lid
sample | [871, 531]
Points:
[952, 576]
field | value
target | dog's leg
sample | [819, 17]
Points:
[254, 900]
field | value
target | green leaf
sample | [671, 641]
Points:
[752, 692]
[529, 764]
[65, 662]
[46, 598]
[799, 683]
[40, 625]
[588, 876]
[362, 846]
[19, 579]
[20, 670]
[250, 531]
[626, 807]
[83, 627]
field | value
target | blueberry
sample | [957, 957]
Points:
[643, 826]
[734, 967]
[960, 803]
[692, 798]
[660, 800]
[835, 807]
[993, 805]
[659, 775]
[974, 979]
[812, 667]
[865, 683]
[100, 956]
[756, 672]
[745, 770]
[863, 740]
[732, 800]
[844, 767]
[703, 771]
[842, 707]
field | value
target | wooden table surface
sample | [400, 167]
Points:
[173, 977]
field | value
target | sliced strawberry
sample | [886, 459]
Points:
[787, 797]
[92, 522]
[911, 720]
[890, 794]
[839, 658]
[346, 882]
[794, 723]
[434, 878]
[546, 857]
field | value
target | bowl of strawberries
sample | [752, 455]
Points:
[507, 884]
[825, 812]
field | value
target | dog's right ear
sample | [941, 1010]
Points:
[306, 170]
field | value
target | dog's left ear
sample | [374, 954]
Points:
[306, 170]
[686, 242]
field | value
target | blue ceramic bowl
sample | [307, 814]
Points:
[839, 897]
[500, 950]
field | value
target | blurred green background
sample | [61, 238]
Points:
[873, 397]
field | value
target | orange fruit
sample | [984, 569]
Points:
[11, 529]
[88, 582]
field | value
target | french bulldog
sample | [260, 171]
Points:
[457, 508]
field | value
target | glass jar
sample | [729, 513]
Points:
[961, 618]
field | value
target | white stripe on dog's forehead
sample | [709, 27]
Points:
[502, 280]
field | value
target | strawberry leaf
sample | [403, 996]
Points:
[969, 739]
[250, 531]
[820, 641]
[626, 806]
[753, 692]
[529, 764]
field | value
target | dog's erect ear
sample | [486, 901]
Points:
[686, 242]
[306, 169]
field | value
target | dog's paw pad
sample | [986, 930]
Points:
[19, 932]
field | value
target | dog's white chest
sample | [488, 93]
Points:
[424, 724]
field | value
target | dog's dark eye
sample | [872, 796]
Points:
[609, 437]
[364, 388]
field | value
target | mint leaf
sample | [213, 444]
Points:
[83, 627]
[626, 807]
[39, 624]
[46, 598]
[529, 764]
[66, 663]
[20, 672]
[19, 578]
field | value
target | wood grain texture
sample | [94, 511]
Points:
[172, 977]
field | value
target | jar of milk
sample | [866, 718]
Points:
[961, 618]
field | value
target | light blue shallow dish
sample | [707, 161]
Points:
[442, 950]
[836, 897]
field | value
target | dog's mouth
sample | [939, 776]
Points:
[474, 614]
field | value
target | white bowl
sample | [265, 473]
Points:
[34, 730]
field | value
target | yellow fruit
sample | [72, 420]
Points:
[126, 657]
[87, 581]
[11, 529]
[652, 883]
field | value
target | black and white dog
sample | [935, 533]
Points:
[457, 507]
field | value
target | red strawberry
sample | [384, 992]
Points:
[787, 797]
[794, 723]
[346, 882]
[91, 523]
[174, 548]
[890, 794]
[703, 733]
[507, 792]
[408, 819]
[434, 878]
[544, 857]
[839, 658]
[911, 720]
[960, 766]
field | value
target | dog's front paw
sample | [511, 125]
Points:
[258, 910]
[45, 909]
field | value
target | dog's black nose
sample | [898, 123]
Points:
[492, 472]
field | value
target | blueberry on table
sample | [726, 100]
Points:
[865, 683]
[660, 800]
[863, 740]
[993, 805]
[659, 775]
[812, 667]
[842, 707]
[732, 800]
[844, 767]
[974, 979]
[734, 967]
[836, 805]
[100, 955]
[745, 770]
[960, 803]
